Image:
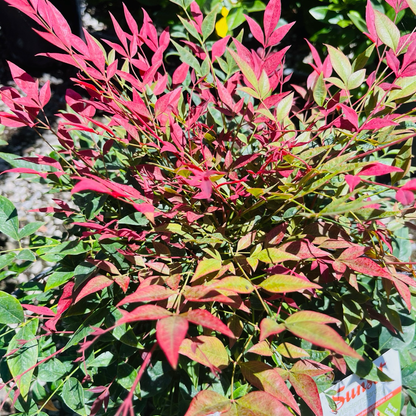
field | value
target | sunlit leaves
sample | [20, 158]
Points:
[281, 283]
[208, 351]
[311, 326]
[386, 30]
[170, 333]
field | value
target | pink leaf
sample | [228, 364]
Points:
[147, 294]
[180, 74]
[378, 169]
[352, 181]
[279, 34]
[377, 123]
[405, 197]
[40, 310]
[367, 266]
[207, 320]
[255, 29]
[218, 48]
[94, 285]
[130, 21]
[170, 333]
[145, 313]
[271, 17]
[306, 388]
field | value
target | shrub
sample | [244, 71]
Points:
[227, 248]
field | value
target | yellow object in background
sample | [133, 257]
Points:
[221, 26]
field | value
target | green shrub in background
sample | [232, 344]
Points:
[230, 245]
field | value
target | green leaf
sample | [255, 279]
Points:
[356, 79]
[386, 30]
[412, 5]
[11, 311]
[264, 85]
[187, 57]
[57, 279]
[6, 259]
[319, 13]
[274, 255]
[190, 28]
[366, 369]
[319, 90]
[403, 160]
[208, 23]
[126, 375]
[362, 59]
[284, 107]
[357, 20]
[30, 229]
[51, 370]
[340, 63]
[282, 283]
[73, 396]
[245, 69]
[208, 351]
[9, 222]
[26, 255]
[24, 357]
[206, 266]
[408, 87]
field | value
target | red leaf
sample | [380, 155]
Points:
[410, 185]
[367, 266]
[180, 74]
[352, 253]
[207, 320]
[65, 301]
[40, 310]
[310, 368]
[147, 294]
[86, 184]
[322, 336]
[208, 402]
[270, 327]
[352, 181]
[123, 281]
[266, 378]
[255, 29]
[145, 313]
[94, 285]
[377, 123]
[404, 196]
[218, 48]
[306, 388]
[279, 34]
[130, 21]
[271, 17]
[339, 363]
[27, 170]
[378, 169]
[170, 333]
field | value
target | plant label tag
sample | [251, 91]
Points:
[355, 396]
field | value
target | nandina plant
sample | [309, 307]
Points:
[227, 248]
